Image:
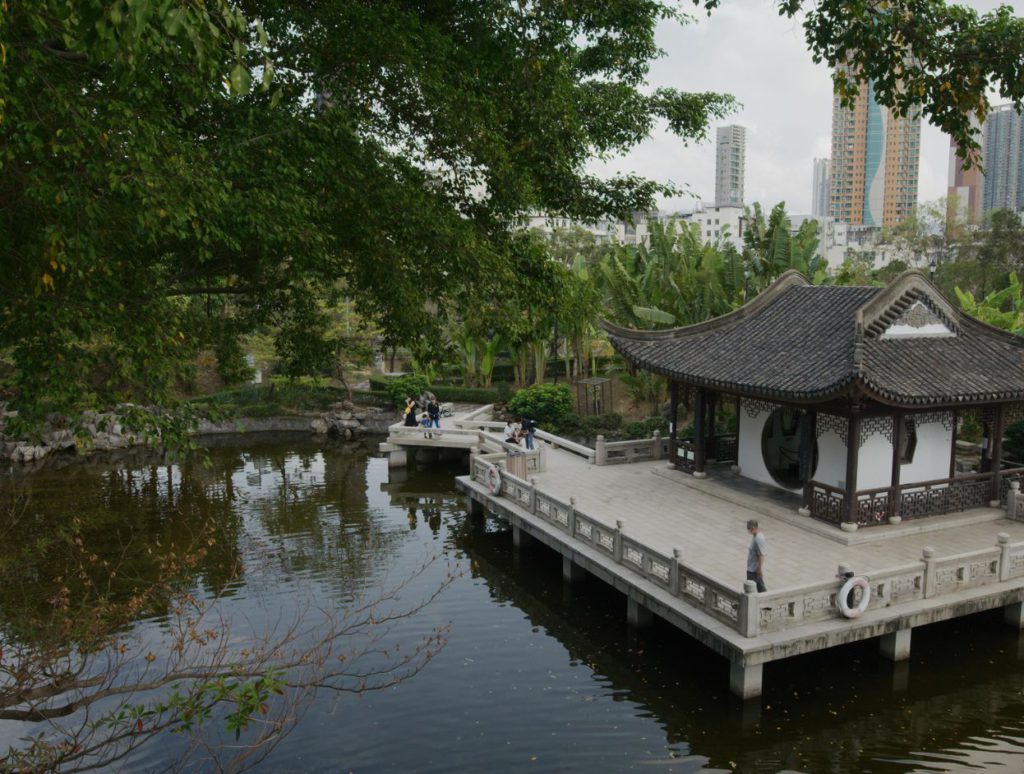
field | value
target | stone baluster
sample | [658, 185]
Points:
[929, 571]
[1012, 498]
[748, 613]
[676, 571]
[1003, 541]
[619, 526]
[656, 454]
[533, 495]
[572, 517]
[600, 451]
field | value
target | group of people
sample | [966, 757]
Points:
[425, 413]
[520, 432]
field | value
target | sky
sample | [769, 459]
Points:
[746, 49]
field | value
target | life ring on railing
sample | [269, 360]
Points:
[846, 592]
[493, 479]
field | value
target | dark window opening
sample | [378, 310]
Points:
[908, 443]
[781, 451]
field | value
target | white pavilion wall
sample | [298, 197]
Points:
[874, 463]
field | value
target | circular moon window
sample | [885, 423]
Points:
[780, 447]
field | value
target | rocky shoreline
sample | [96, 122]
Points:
[105, 431]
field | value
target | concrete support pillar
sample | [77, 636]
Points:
[745, 680]
[896, 645]
[520, 538]
[637, 615]
[475, 507]
[900, 676]
[572, 572]
[397, 458]
[1014, 615]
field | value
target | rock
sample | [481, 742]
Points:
[318, 426]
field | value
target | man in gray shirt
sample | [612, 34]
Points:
[755, 555]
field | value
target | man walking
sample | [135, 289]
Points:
[755, 555]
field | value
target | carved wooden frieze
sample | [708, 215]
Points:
[876, 426]
[833, 423]
[755, 408]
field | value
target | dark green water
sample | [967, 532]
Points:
[534, 674]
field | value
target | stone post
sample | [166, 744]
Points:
[895, 646]
[745, 679]
[1012, 498]
[748, 617]
[676, 571]
[929, 571]
[533, 495]
[600, 452]
[1003, 541]
[542, 456]
[656, 452]
[572, 517]
[619, 526]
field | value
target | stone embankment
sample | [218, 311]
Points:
[105, 431]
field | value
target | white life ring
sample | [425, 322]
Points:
[847, 590]
[493, 480]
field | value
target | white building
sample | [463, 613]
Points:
[604, 230]
[730, 165]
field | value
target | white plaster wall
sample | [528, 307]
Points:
[748, 456]
[831, 459]
[874, 463]
[931, 457]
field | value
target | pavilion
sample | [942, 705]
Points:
[849, 396]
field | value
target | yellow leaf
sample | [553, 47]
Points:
[47, 280]
[53, 264]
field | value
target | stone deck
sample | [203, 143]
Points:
[573, 506]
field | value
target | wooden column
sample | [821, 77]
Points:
[673, 417]
[808, 435]
[852, 451]
[952, 446]
[997, 451]
[711, 446]
[700, 454]
[898, 432]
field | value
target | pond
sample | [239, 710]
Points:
[533, 673]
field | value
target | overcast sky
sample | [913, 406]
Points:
[746, 49]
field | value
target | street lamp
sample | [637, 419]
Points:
[931, 269]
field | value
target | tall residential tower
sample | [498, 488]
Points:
[730, 163]
[875, 157]
[1002, 151]
[820, 188]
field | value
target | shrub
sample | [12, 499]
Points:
[646, 428]
[402, 387]
[548, 404]
[1013, 442]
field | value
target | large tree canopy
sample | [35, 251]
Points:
[171, 171]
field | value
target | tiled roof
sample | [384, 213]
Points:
[802, 342]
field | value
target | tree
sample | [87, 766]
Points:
[143, 176]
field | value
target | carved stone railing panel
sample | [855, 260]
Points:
[966, 571]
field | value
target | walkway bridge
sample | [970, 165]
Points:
[676, 546]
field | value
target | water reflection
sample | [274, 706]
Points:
[537, 672]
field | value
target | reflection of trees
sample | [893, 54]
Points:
[80, 531]
[835, 710]
[83, 682]
[310, 501]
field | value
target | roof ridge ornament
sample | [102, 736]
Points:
[909, 306]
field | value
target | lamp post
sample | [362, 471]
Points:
[931, 269]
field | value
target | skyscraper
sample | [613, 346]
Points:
[730, 161]
[875, 157]
[820, 188]
[1002, 151]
